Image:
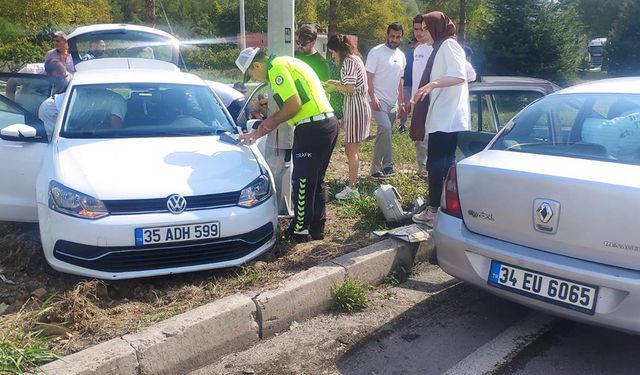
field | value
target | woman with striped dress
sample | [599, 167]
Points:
[357, 113]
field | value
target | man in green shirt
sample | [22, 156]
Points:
[306, 51]
[303, 104]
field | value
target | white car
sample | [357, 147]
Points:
[546, 215]
[141, 175]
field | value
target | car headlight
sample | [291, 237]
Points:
[256, 192]
[70, 202]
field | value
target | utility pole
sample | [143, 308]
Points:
[281, 38]
[243, 34]
[150, 6]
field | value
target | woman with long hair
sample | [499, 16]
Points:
[441, 105]
[357, 113]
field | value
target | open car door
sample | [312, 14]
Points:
[21, 153]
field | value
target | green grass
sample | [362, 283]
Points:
[351, 296]
[403, 148]
[391, 279]
[23, 352]
[250, 276]
[364, 210]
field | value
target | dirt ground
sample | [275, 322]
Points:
[74, 313]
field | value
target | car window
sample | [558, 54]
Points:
[20, 99]
[480, 116]
[493, 109]
[143, 110]
[123, 44]
[26, 90]
[254, 108]
[10, 114]
[602, 126]
[509, 103]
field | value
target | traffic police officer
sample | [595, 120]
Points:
[304, 105]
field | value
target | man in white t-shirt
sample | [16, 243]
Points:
[421, 55]
[385, 67]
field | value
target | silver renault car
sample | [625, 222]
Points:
[547, 214]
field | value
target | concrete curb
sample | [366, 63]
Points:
[195, 338]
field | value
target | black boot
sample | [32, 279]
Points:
[317, 230]
[296, 237]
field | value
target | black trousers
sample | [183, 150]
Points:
[313, 145]
[441, 154]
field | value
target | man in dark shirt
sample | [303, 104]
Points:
[408, 79]
[306, 51]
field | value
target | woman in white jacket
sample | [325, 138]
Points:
[441, 104]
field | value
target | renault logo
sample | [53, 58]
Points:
[544, 212]
[176, 204]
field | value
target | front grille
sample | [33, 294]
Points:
[129, 259]
[194, 202]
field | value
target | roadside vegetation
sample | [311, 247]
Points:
[44, 314]
[350, 296]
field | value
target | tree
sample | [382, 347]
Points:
[32, 23]
[32, 14]
[623, 43]
[333, 16]
[462, 24]
[531, 38]
[368, 19]
[597, 16]
[306, 11]
[150, 6]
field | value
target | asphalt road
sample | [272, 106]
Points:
[433, 324]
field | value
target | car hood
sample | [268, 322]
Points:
[138, 168]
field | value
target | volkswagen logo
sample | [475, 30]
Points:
[176, 204]
[544, 212]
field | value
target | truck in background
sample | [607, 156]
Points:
[596, 50]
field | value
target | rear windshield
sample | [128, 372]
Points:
[118, 43]
[143, 110]
[593, 126]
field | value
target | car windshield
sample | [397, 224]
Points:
[143, 110]
[117, 43]
[592, 126]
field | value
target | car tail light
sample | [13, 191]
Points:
[451, 201]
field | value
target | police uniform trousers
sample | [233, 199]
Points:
[313, 144]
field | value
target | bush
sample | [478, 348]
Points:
[351, 296]
[211, 57]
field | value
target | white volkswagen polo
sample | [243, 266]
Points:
[140, 176]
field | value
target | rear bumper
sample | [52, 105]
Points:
[467, 255]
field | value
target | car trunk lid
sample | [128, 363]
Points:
[575, 207]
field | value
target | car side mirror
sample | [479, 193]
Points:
[253, 124]
[19, 133]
